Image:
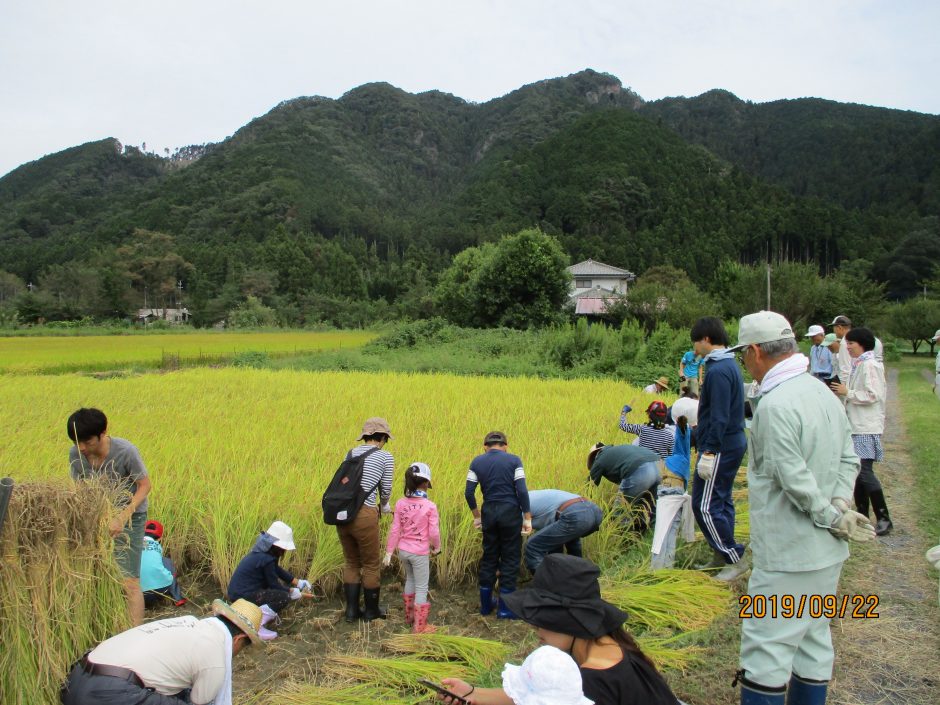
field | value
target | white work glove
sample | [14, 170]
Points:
[851, 526]
[526, 527]
[705, 467]
[387, 561]
[386, 508]
[304, 585]
[294, 593]
[477, 523]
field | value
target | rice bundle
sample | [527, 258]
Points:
[394, 673]
[680, 599]
[478, 654]
[60, 590]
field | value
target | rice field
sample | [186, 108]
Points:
[231, 449]
[101, 352]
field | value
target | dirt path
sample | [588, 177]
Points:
[891, 660]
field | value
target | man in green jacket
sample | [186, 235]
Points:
[800, 479]
[635, 470]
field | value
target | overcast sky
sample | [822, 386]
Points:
[178, 72]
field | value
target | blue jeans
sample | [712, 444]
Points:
[641, 480]
[565, 533]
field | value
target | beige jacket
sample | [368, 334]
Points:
[865, 401]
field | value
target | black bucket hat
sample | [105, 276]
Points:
[565, 597]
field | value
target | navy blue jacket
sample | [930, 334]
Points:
[257, 571]
[501, 478]
[721, 408]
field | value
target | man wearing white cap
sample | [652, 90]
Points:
[820, 359]
[801, 477]
[176, 660]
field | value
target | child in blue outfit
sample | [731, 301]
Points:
[157, 572]
[504, 518]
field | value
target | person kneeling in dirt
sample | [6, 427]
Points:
[800, 478]
[560, 520]
[181, 659]
[635, 470]
[259, 579]
[564, 604]
[157, 572]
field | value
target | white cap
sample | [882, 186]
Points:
[421, 470]
[936, 335]
[762, 327]
[284, 535]
[686, 407]
[815, 330]
[548, 676]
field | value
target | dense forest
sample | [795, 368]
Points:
[349, 210]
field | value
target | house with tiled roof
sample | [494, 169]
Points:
[593, 283]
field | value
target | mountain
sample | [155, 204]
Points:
[369, 196]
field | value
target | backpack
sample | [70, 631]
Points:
[344, 495]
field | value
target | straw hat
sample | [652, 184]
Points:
[243, 614]
[662, 382]
[595, 449]
[283, 535]
[548, 676]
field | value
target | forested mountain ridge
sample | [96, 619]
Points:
[370, 195]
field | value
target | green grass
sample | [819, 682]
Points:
[921, 409]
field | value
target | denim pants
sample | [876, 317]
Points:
[641, 480]
[502, 544]
[565, 533]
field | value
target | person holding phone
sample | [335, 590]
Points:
[564, 605]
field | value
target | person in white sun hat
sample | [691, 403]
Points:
[801, 476]
[548, 676]
[260, 579]
[820, 358]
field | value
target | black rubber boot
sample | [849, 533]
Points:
[372, 610]
[883, 523]
[352, 601]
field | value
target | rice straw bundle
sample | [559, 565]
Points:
[395, 673]
[305, 694]
[60, 590]
[681, 599]
[478, 654]
[666, 653]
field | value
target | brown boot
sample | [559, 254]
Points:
[421, 619]
[409, 607]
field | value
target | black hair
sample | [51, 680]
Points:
[276, 551]
[413, 482]
[689, 394]
[711, 328]
[683, 423]
[376, 437]
[233, 628]
[85, 424]
[626, 642]
[863, 337]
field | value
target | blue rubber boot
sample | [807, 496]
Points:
[487, 600]
[756, 694]
[803, 691]
[504, 612]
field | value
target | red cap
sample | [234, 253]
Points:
[154, 528]
[657, 409]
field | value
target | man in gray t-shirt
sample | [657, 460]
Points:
[96, 454]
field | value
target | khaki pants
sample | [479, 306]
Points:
[360, 542]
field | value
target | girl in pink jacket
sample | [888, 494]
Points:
[416, 534]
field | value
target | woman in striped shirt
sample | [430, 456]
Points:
[655, 434]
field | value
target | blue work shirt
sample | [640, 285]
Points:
[544, 506]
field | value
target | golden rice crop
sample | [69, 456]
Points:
[229, 450]
[479, 654]
[38, 354]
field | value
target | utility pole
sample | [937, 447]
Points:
[768, 286]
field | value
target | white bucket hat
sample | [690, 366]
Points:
[548, 676]
[283, 534]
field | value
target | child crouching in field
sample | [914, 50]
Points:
[416, 534]
[157, 572]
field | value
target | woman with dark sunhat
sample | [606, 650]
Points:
[564, 605]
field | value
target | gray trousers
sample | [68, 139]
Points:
[83, 688]
[417, 575]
